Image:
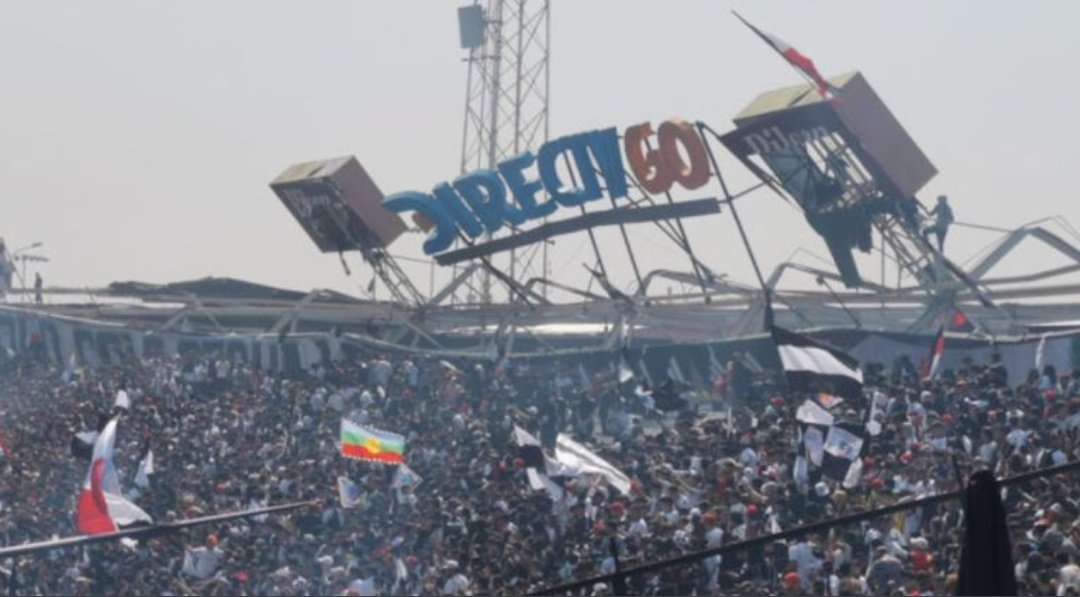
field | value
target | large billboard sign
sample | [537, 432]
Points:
[570, 172]
[338, 205]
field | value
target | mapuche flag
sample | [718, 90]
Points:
[364, 443]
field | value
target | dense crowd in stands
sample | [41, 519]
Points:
[228, 438]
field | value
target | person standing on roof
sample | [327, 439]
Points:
[942, 220]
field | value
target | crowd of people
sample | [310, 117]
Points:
[229, 438]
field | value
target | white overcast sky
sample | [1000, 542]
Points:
[138, 138]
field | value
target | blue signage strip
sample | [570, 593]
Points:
[483, 201]
[622, 215]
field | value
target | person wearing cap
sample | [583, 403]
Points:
[792, 581]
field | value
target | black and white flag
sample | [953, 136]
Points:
[146, 468]
[831, 447]
[576, 457]
[571, 460]
[541, 471]
[812, 367]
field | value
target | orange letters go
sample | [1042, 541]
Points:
[658, 169]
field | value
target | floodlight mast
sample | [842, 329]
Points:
[506, 107]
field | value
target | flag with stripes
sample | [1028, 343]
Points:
[102, 507]
[933, 360]
[814, 368]
[794, 58]
[571, 459]
[829, 447]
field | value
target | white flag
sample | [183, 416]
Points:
[854, 474]
[122, 400]
[1040, 354]
[255, 504]
[405, 477]
[625, 372]
[69, 371]
[348, 492]
[539, 482]
[843, 444]
[811, 413]
[814, 442]
[577, 456]
[146, 468]
[800, 472]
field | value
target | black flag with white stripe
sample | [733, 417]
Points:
[813, 368]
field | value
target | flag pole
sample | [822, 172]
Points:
[769, 42]
[146, 531]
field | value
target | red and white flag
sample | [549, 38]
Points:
[102, 506]
[937, 349]
[794, 58]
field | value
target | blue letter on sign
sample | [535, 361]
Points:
[524, 191]
[605, 148]
[462, 217]
[485, 193]
[565, 195]
[443, 235]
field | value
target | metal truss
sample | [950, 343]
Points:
[506, 113]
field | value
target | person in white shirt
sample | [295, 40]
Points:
[748, 457]
[379, 372]
[458, 584]
[412, 374]
[988, 451]
[806, 563]
[203, 562]
[1018, 437]
[714, 538]
[1068, 578]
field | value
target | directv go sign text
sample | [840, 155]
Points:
[484, 200]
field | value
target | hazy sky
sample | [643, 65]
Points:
[139, 137]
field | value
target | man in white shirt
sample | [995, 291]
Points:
[203, 562]
[458, 584]
[802, 553]
[379, 372]
[1018, 437]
